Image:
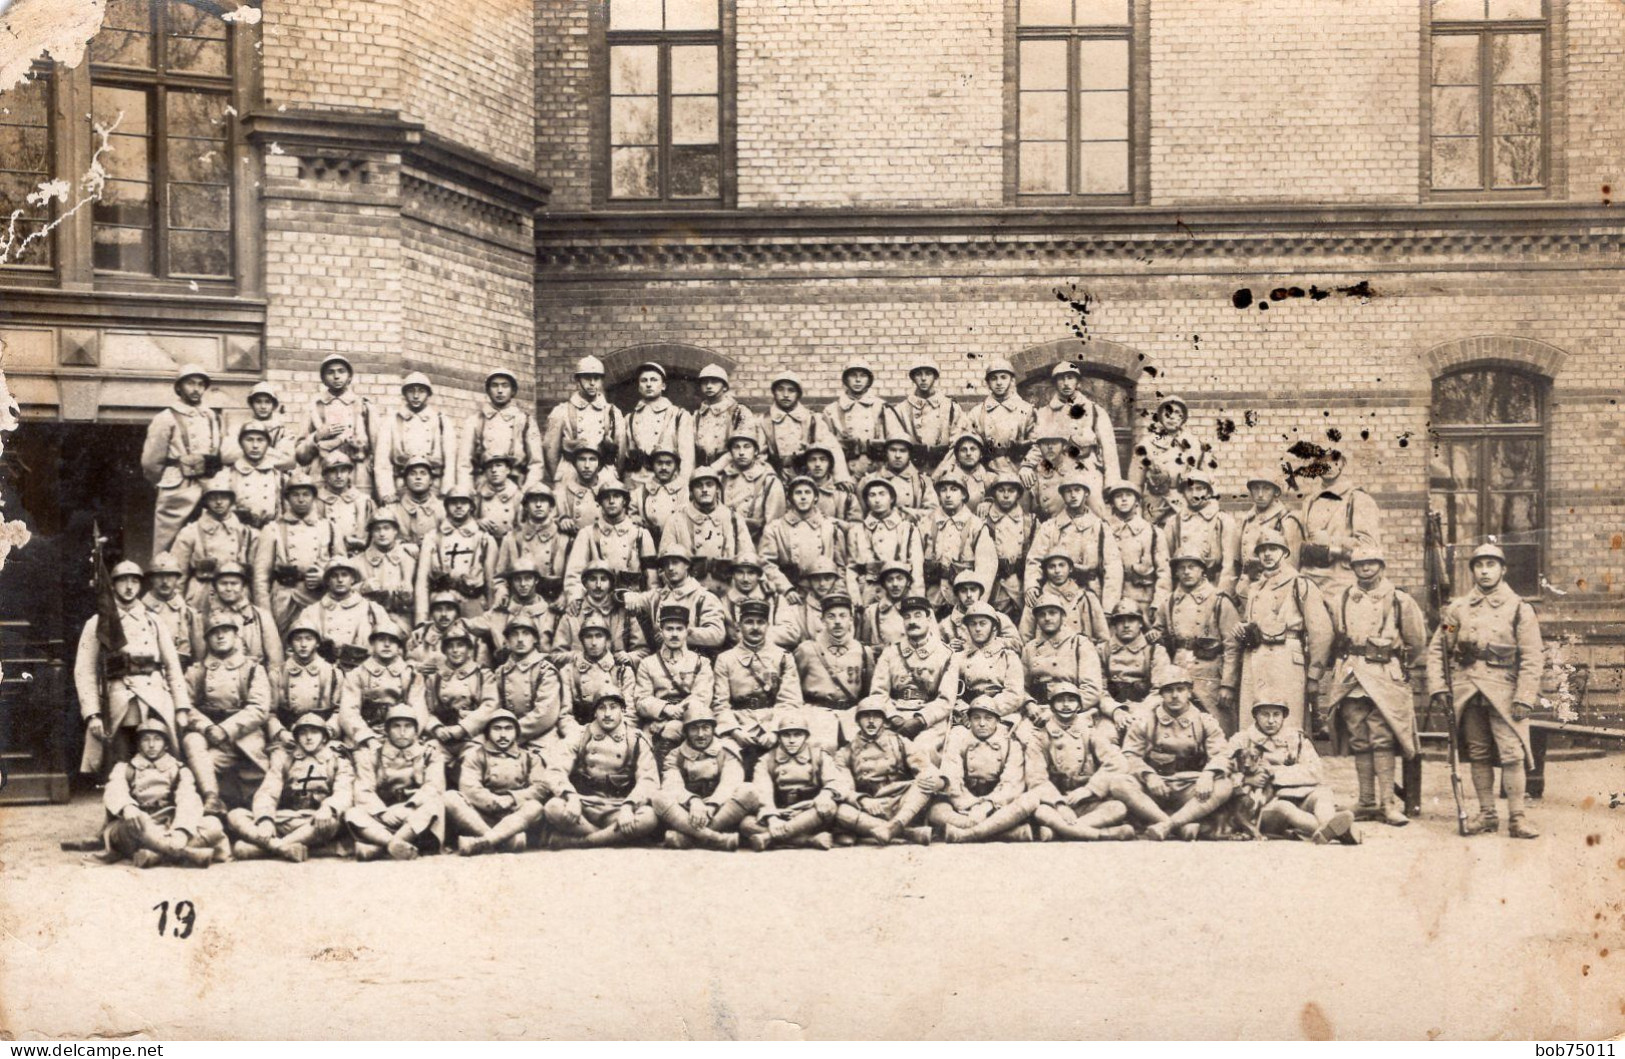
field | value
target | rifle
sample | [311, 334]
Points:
[1438, 589]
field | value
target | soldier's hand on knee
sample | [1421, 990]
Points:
[1204, 785]
[265, 831]
[1227, 698]
[216, 737]
[625, 817]
[825, 802]
[132, 813]
[699, 813]
[1156, 786]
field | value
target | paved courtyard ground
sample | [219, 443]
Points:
[1417, 933]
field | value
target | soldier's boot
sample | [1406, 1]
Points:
[677, 840]
[219, 844]
[1338, 828]
[805, 823]
[856, 822]
[1065, 825]
[1518, 826]
[1010, 818]
[146, 858]
[679, 824]
[909, 808]
[515, 824]
[403, 844]
[367, 851]
[292, 852]
[1517, 782]
[1141, 806]
[1486, 822]
[1365, 771]
[517, 844]
[370, 836]
[735, 813]
[194, 856]
[1106, 814]
[195, 749]
[1388, 811]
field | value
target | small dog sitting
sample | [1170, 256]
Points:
[1255, 788]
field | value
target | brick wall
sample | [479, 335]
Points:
[467, 74]
[853, 101]
[1596, 100]
[1294, 371]
[1254, 101]
[332, 56]
[564, 102]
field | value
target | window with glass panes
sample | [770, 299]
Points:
[1485, 476]
[25, 164]
[161, 87]
[1488, 95]
[665, 102]
[1072, 78]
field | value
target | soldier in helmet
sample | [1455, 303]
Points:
[798, 542]
[498, 499]
[1200, 527]
[1379, 656]
[1086, 431]
[600, 599]
[163, 598]
[880, 622]
[1268, 513]
[528, 686]
[1057, 654]
[589, 670]
[300, 805]
[1085, 537]
[990, 668]
[854, 420]
[614, 539]
[713, 533]
[892, 778]
[753, 680]
[707, 624]
[914, 492]
[613, 770]
[1494, 641]
[265, 412]
[745, 584]
[425, 644]
[400, 792]
[522, 598]
[417, 508]
[1004, 422]
[377, 684]
[1084, 612]
[341, 502]
[154, 814]
[538, 541]
[584, 420]
[1197, 627]
[1179, 756]
[459, 694]
[886, 535]
[1165, 453]
[343, 616]
[459, 556]
[983, 772]
[930, 420]
[669, 679]
[388, 567]
[292, 551]
[749, 485]
[118, 692]
[415, 432]
[703, 798]
[1078, 782]
[1285, 634]
[305, 683]
[505, 427]
[969, 468]
[340, 423]
[503, 790]
[655, 423]
[577, 493]
[799, 787]
[224, 731]
[834, 669]
[1052, 468]
[718, 417]
[1337, 516]
[1011, 528]
[257, 632]
[1283, 761]
[1131, 666]
[789, 426]
[969, 591]
[661, 494]
[1142, 547]
[823, 465]
[181, 452]
[217, 536]
[256, 480]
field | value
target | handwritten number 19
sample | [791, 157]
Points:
[185, 916]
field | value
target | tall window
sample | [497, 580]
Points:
[1485, 477]
[1072, 76]
[665, 113]
[1489, 96]
[25, 163]
[161, 81]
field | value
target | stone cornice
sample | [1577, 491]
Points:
[619, 241]
[422, 152]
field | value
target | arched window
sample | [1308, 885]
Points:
[1486, 475]
[682, 363]
[1109, 390]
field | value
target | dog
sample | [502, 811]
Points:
[1239, 817]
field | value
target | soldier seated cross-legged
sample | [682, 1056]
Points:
[983, 773]
[503, 791]
[703, 799]
[1078, 783]
[300, 805]
[400, 792]
[1178, 755]
[224, 732]
[892, 778]
[799, 789]
[154, 814]
[1277, 766]
[615, 779]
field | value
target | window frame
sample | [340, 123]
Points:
[1482, 436]
[1136, 31]
[1553, 170]
[41, 73]
[602, 40]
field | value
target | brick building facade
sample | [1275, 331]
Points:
[1405, 196]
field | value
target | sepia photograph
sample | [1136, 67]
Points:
[885, 520]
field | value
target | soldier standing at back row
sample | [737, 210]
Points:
[1493, 639]
[854, 419]
[718, 417]
[502, 428]
[1004, 422]
[340, 422]
[414, 432]
[1086, 428]
[928, 420]
[1268, 513]
[1285, 635]
[1336, 518]
[182, 451]
[584, 420]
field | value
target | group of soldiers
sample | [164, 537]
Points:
[393, 632]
